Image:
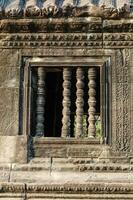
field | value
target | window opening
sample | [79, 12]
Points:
[65, 102]
[131, 5]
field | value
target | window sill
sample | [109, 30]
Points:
[66, 147]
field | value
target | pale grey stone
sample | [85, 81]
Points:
[13, 149]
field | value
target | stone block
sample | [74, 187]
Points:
[13, 149]
[31, 176]
[9, 77]
[12, 198]
[9, 58]
[9, 111]
[12, 191]
[51, 152]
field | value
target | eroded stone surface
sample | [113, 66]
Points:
[9, 77]
[80, 174]
[9, 58]
[9, 111]
[13, 149]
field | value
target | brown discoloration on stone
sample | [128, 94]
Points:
[9, 58]
[70, 42]
[9, 77]
[9, 111]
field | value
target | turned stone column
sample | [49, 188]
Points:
[66, 102]
[92, 102]
[79, 102]
[40, 106]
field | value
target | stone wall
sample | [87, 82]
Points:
[107, 42]
[48, 168]
[88, 170]
[9, 91]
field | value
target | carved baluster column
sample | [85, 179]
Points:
[66, 102]
[79, 102]
[92, 102]
[40, 106]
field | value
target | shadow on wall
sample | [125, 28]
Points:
[12, 3]
[3, 2]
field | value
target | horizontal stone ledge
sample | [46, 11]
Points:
[79, 188]
[91, 188]
[52, 10]
[66, 25]
[61, 164]
[67, 141]
[51, 25]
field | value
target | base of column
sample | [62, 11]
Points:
[65, 147]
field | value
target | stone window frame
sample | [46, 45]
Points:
[88, 61]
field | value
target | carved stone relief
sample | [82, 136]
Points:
[104, 9]
[121, 105]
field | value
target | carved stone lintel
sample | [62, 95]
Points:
[79, 102]
[92, 102]
[66, 102]
[49, 8]
[98, 189]
[60, 25]
[13, 9]
[50, 11]
[14, 13]
[40, 109]
[68, 8]
[32, 11]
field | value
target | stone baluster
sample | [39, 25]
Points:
[66, 102]
[79, 102]
[92, 102]
[40, 106]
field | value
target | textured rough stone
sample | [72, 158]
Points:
[131, 74]
[9, 77]
[18, 4]
[9, 111]
[65, 177]
[13, 149]
[59, 168]
[9, 58]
